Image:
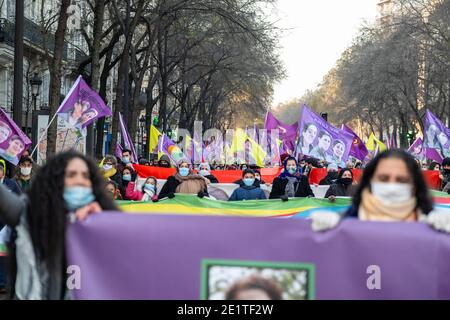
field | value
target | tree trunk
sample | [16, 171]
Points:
[55, 66]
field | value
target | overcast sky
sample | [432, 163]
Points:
[320, 31]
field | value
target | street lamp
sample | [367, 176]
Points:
[35, 83]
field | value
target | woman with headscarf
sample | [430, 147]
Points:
[290, 183]
[184, 181]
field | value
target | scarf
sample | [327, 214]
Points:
[372, 209]
[290, 187]
[192, 183]
[108, 174]
[148, 194]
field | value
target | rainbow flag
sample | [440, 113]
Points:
[193, 205]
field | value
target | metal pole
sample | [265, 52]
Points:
[126, 78]
[18, 64]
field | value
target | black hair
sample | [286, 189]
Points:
[324, 133]
[433, 165]
[47, 212]
[126, 150]
[248, 171]
[446, 162]
[424, 201]
[341, 173]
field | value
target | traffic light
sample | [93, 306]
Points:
[410, 136]
[155, 121]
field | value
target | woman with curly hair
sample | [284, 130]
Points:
[68, 183]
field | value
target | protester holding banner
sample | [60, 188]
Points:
[24, 173]
[147, 192]
[184, 181]
[205, 170]
[332, 175]
[248, 191]
[342, 187]
[290, 183]
[392, 188]
[69, 182]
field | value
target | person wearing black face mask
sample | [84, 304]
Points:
[343, 187]
[446, 175]
[332, 175]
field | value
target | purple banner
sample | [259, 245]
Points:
[13, 142]
[358, 149]
[127, 256]
[416, 149]
[287, 132]
[319, 139]
[83, 105]
[436, 138]
[127, 139]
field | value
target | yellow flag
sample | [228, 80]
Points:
[373, 142]
[154, 135]
[238, 144]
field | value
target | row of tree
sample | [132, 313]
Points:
[209, 60]
[393, 71]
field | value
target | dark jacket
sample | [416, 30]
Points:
[328, 180]
[211, 178]
[339, 190]
[241, 183]
[170, 186]
[12, 185]
[247, 193]
[302, 188]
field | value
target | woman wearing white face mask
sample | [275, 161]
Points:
[24, 174]
[184, 181]
[392, 188]
[205, 170]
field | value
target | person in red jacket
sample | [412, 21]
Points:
[147, 193]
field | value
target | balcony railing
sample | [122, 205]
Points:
[31, 34]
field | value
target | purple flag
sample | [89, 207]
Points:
[127, 139]
[416, 149]
[118, 152]
[436, 140]
[160, 256]
[358, 149]
[13, 142]
[287, 132]
[321, 140]
[83, 105]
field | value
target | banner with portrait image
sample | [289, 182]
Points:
[13, 141]
[436, 140]
[319, 139]
[82, 105]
